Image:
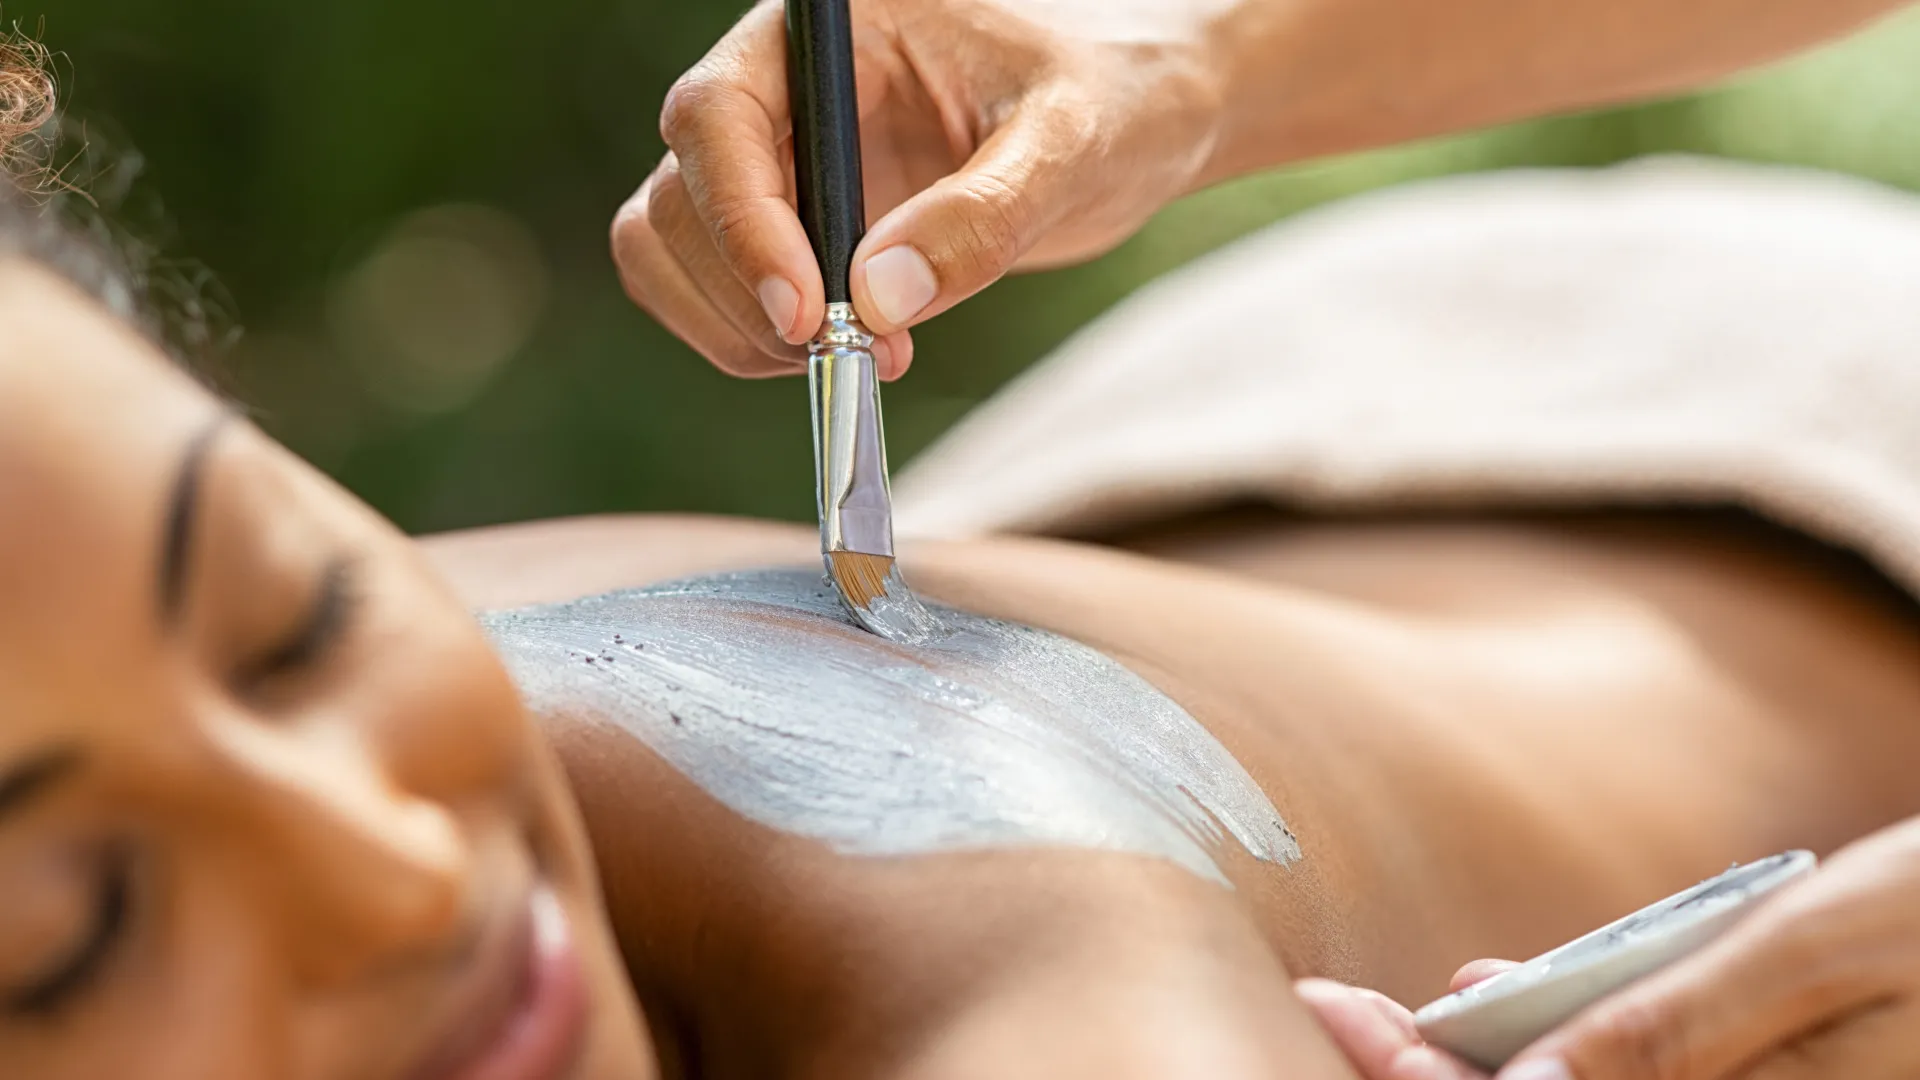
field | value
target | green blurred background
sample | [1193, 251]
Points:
[408, 200]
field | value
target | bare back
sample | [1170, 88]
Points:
[1487, 736]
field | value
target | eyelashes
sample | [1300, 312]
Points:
[83, 963]
[323, 627]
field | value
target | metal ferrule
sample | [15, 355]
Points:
[849, 450]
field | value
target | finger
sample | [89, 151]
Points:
[1479, 971]
[655, 281]
[1428, 1063]
[1785, 971]
[725, 121]
[968, 229]
[893, 354]
[671, 212]
[1369, 1028]
[673, 216]
[1879, 1043]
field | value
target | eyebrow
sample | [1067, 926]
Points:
[21, 783]
[176, 536]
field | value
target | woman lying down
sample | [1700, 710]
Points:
[274, 804]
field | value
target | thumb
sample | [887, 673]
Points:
[968, 229]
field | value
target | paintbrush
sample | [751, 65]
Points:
[849, 445]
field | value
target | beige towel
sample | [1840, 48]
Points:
[1670, 330]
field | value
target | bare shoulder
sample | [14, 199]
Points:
[565, 558]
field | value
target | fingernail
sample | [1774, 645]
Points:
[1322, 991]
[1352, 1018]
[1538, 1069]
[901, 282]
[781, 301]
[1400, 1018]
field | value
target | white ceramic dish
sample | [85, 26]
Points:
[1488, 1023]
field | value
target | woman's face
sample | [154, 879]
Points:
[269, 807]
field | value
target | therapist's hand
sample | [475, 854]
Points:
[997, 134]
[1001, 134]
[1377, 1034]
[1822, 981]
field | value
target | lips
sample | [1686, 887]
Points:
[529, 1024]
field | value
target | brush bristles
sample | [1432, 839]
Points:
[862, 578]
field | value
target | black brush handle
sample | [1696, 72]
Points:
[826, 135]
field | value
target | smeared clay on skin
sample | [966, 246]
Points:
[898, 615]
[759, 688]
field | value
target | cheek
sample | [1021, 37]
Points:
[211, 991]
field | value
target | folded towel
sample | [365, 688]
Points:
[1670, 331]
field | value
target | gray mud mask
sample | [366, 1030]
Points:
[759, 688]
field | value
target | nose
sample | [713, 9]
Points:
[368, 807]
[387, 883]
[361, 873]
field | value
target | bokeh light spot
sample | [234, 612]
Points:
[439, 305]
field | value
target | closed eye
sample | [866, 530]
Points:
[83, 963]
[323, 627]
